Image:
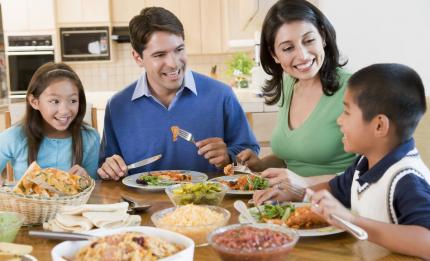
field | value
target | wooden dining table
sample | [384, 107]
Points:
[340, 246]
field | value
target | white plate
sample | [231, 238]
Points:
[233, 178]
[131, 180]
[323, 231]
[68, 249]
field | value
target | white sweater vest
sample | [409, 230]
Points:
[375, 201]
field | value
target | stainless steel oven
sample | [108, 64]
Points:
[24, 55]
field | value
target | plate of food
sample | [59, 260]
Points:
[141, 243]
[293, 215]
[159, 180]
[243, 184]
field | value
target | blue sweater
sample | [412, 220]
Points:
[140, 128]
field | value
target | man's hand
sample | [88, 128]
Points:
[214, 150]
[113, 168]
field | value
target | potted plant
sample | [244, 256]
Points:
[240, 67]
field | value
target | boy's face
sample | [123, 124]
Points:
[164, 60]
[357, 133]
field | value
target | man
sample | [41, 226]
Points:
[138, 120]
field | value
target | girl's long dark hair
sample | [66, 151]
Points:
[32, 124]
[286, 11]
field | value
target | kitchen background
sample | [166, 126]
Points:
[368, 32]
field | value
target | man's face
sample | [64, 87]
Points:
[164, 60]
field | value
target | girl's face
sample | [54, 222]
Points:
[58, 104]
[299, 49]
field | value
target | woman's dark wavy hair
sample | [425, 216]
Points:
[44, 76]
[149, 21]
[287, 11]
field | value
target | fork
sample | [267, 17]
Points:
[186, 136]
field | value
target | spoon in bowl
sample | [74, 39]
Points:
[240, 206]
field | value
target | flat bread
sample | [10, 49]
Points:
[15, 249]
[50, 182]
[24, 185]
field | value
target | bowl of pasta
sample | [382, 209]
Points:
[141, 243]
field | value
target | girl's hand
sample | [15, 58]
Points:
[248, 158]
[78, 170]
[325, 204]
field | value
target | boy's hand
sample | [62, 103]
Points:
[325, 204]
[78, 170]
[214, 150]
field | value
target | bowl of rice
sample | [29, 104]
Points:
[193, 221]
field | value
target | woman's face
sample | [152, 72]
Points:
[299, 49]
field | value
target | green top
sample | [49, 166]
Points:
[315, 147]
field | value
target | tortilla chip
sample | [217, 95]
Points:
[24, 186]
[15, 249]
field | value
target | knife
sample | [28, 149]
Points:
[59, 235]
[144, 162]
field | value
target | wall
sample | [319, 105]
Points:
[371, 31]
[115, 75]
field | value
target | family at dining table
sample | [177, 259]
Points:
[348, 138]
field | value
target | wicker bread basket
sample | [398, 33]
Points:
[37, 209]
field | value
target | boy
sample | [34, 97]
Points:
[387, 188]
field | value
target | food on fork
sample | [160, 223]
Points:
[127, 246]
[229, 170]
[50, 182]
[175, 132]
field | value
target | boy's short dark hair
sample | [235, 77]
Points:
[150, 20]
[394, 90]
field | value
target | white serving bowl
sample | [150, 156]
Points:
[68, 249]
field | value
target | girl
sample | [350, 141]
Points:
[52, 131]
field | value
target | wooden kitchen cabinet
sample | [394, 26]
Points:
[124, 10]
[25, 16]
[202, 20]
[82, 12]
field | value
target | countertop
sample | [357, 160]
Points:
[248, 98]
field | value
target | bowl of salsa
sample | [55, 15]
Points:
[253, 242]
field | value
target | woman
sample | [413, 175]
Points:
[299, 51]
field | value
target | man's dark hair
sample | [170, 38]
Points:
[394, 90]
[150, 20]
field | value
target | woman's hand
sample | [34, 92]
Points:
[248, 158]
[273, 194]
[325, 204]
[275, 175]
[78, 170]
